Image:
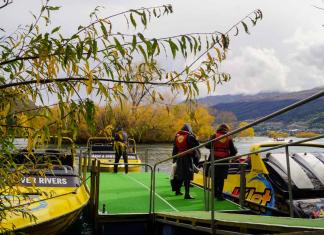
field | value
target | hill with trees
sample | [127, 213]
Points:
[251, 107]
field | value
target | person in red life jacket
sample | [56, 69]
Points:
[222, 148]
[184, 171]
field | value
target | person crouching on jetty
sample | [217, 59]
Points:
[120, 147]
[184, 171]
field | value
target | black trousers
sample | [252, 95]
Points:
[117, 158]
[220, 176]
[177, 184]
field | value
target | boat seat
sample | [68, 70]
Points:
[320, 156]
[298, 175]
[312, 163]
[98, 148]
[64, 170]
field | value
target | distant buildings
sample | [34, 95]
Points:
[291, 129]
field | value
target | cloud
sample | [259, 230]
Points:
[303, 39]
[254, 70]
[307, 61]
[298, 65]
[279, 55]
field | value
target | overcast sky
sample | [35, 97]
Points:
[284, 51]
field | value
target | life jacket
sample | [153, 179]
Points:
[120, 136]
[181, 141]
[120, 143]
[221, 147]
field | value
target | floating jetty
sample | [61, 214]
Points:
[122, 204]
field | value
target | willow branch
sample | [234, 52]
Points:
[76, 79]
[34, 109]
[6, 3]
[212, 46]
[17, 126]
[320, 8]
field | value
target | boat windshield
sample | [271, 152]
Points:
[102, 145]
[52, 160]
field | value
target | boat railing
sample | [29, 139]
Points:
[95, 169]
[236, 131]
[105, 145]
[131, 145]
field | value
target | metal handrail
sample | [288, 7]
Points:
[207, 182]
[100, 164]
[214, 162]
[260, 120]
[271, 148]
[296, 143]
[265, 118]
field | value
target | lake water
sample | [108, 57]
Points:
[158, 152]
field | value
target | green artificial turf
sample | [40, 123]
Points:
[253, 219]
[129, 193]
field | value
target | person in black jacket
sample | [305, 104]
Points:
[222, 148]
[184, 171]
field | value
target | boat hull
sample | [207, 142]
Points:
[53, 214]
[266, 189]
[54, 226]
[105, 165]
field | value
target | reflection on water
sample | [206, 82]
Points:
[158, 152]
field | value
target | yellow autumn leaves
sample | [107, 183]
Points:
[147, 123]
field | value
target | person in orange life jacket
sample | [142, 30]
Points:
[184, 171]
[120, 147]
[222, 148]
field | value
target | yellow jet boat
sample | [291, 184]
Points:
[267, 180]
[47, 200]
[102, 148]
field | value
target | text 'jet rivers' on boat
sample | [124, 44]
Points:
[102, 148]
[267, 184]
[50, 195]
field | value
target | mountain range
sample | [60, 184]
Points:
[251, 107]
